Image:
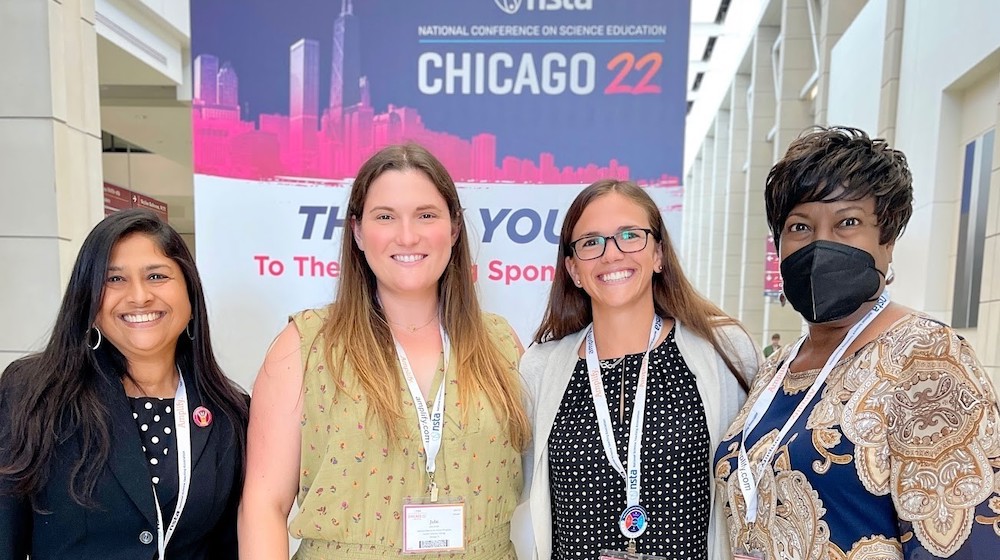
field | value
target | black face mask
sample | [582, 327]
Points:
[826, 281]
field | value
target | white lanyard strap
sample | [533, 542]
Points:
[632, 476]
[748, 484]
[431, 423]
[182, 431]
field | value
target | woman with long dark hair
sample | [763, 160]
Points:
[123, 438]
[632, 380]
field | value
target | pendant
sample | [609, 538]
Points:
[633, 521]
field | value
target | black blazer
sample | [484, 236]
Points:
[123, 525]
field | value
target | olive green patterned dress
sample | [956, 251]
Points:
[352, 484]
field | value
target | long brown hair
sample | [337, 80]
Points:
[569, 309]
[357, 332]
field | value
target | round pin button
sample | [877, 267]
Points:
[633, 522]
[145, 537]
[202, 417]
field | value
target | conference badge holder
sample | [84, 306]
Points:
[626, 555]
[619, 555]
[433, 525]
[632, 523]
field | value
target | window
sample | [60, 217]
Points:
[976, 171]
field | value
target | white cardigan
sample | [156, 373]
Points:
[546, 370]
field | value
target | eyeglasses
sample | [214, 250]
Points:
[628, 241]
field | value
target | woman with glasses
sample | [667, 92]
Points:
[632, 380]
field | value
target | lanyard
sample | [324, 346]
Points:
[632, 476]
[431, 422]
[183, 433]
[748, 486]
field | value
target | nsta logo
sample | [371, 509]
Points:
[513, 6]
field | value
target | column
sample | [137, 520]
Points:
[735, 197]
[50, 160]
[701, 234]
[836, 16]
[988, 331]
[891, 58]
[720, 185]
[691, 193]
[761, 108]
[796, 65]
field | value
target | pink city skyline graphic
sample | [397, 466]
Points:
[329, 144]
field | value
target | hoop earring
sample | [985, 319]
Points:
[90, 336]
[189, 330]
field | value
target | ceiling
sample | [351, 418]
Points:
[732, 28]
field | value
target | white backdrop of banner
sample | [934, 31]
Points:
[266, 250]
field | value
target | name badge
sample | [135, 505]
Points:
[624, 555]
[436, 527]
[744, 554]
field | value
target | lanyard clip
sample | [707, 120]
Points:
[631, 546]
[433, 489]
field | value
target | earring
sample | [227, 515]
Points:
[577, 282]
[658, 269]
[90, 336]
[189, 329]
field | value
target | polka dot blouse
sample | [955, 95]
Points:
[588, 495]
[155, 420]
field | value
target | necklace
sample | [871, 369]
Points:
[621, 391]
[613, 364]
[412, 328]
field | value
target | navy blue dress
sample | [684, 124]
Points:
[897, 456]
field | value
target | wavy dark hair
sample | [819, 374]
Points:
[569, 308]
[841, 163]
[57, 390]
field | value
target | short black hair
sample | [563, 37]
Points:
[841, 163]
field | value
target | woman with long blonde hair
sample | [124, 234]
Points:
[397, 404]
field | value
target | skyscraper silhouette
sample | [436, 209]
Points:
[206, 71]
[303, 104]
[346, 67]
[228, 86]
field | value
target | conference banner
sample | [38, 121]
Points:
[524, 101]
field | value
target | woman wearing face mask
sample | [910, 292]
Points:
[876, 434]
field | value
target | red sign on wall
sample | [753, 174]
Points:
[772, 269]
[117, 198]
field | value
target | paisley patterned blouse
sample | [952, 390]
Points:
[897, 457]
